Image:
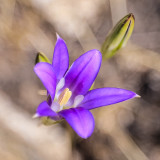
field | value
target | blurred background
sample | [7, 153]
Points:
[125, 131]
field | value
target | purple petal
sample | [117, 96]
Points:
[83, 72]
[60, 60]
[45, 110]
[80, 119]
[105, 96]
[46, 74]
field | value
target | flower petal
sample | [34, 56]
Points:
[46, 74]
[80, 119]
[60, 60]
[45, 110]
[83, 72]
[105, 96]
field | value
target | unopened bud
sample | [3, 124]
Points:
[118, 36]
[41, 58]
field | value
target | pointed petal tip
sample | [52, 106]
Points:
[106, 96]
[60, 61]
[36, 115]
[57, 35]
[137, 96]
[85, 136]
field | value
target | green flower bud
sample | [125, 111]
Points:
[118, 36]
[41, 58]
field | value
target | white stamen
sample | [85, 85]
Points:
[60, 84]
[78, 99]
[36, 115]
[55, 106]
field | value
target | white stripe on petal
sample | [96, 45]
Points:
[60, 84]
[55, 107]
[78, 99]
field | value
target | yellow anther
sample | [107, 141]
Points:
[64, 97]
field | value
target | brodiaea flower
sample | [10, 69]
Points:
[68, 93]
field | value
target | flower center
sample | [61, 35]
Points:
[64, 97]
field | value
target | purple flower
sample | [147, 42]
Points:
[67, 88]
